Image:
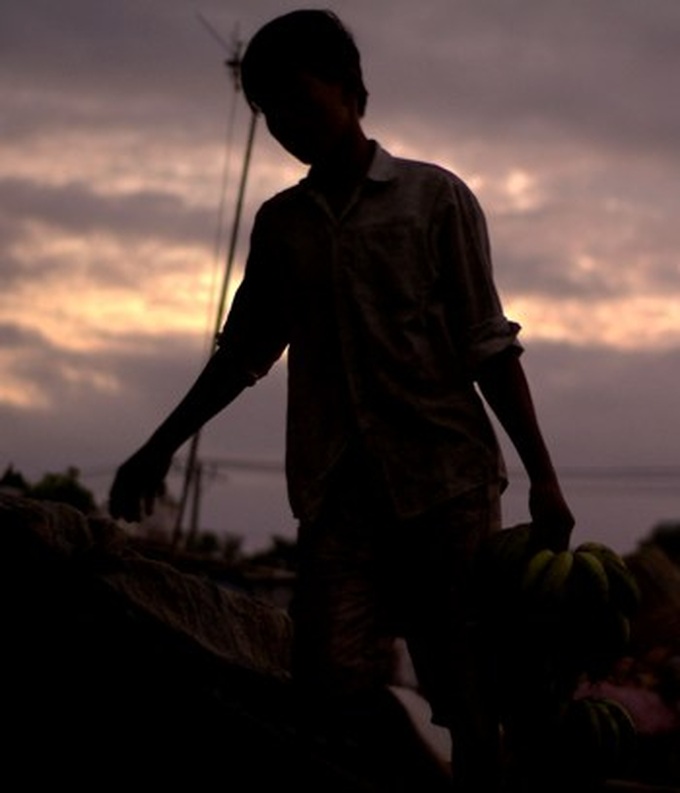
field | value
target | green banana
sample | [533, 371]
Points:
[535, 569]
[627, 727]
[623, 726]
[597, 737]
[616, 568]
[557, 574]
[603, 552]
[610, 733]
[625, 592]
[509, 546]
[585, 726]
[621, 629]
[597, 579]
[624, 587]
[597, 727]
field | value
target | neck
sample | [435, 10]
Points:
[347, 166]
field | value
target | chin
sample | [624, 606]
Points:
[305, 156]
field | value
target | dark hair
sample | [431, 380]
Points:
[314, 41]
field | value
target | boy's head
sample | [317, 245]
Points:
[313, 42]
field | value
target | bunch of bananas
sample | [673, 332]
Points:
[590, 577]
[576, 603]
[591, 595]
[553, 618]
[502, 561]
[597, 737]
[592, 573]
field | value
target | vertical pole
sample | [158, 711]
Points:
[191, 466]
[219, 317]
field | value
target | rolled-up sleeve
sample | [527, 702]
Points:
[480, 327]
[490, 338]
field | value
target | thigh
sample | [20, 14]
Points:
[438, 552]
[439, 595]
[340, 643]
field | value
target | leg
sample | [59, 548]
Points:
[340, 648]
[343, 658]
[444, 636]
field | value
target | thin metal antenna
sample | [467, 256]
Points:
[219, 318]
[193, 468]
[234, 47]
[213, 32]
[234, 62]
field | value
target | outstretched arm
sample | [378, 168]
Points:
[504, 386]
[139, 480]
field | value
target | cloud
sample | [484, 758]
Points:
[607, 405]
[116, 174]
[76, 208]
[122, 140]
[578, 71]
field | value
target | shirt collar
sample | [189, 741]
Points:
[382, 167]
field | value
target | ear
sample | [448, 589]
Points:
[349, 95]
[354, 83]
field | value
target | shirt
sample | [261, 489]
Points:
[386, 311]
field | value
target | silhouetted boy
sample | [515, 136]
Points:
[374, 273]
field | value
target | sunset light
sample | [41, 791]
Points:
[118, 187]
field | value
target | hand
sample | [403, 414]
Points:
[552, 520]
[137, 484]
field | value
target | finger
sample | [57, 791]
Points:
[115, 507]
[131, 512]
[149, 499]
[123, 506]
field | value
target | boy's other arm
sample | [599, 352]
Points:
[139, 480]
[505, 388]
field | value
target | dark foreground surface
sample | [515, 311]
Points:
[119, 670]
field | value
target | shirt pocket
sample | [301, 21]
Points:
[388, 265]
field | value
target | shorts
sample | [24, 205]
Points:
[366, 578]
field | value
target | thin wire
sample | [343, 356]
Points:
[191, 473]
[604, 472]
[233, 49]
[236, 223]
[220, 230]
[211, 29]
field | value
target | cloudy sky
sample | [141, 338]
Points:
[121, 146]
